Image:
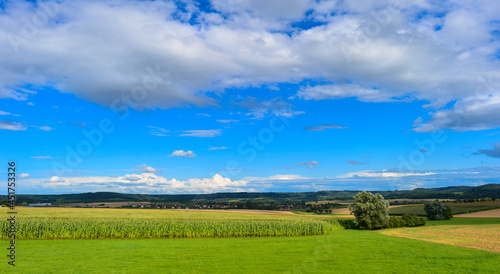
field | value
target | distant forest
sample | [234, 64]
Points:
[453, 192]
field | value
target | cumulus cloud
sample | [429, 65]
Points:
[323, 127]
[147, 169]
[10, 125]
[182, 153]
[202, 133]
[24, 175]
[311, 164]
[135, 183]
[364, 180]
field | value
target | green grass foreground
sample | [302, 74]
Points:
[343, 251]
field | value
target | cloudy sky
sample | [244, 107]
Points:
[229, 95]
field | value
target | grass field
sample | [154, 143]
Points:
[457, 208]
[344, 251]
[339, 251]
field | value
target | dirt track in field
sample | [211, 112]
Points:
[492, 213]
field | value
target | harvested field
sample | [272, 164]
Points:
[486, 237]
[494, 213]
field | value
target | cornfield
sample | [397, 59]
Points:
[73, 227]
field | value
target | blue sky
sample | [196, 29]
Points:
[190, 97]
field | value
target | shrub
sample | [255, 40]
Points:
[348, 223]
[413, 220]
[406, 220]
[395, 221]
[370, 211]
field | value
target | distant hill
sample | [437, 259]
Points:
[453, 192]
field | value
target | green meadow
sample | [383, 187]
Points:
[345, 251]
[334, 251]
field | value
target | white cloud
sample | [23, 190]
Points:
[182, 153]
[24, 175]
[147, 169]
[383, 174]
[135, 183]
[202, 133]
[277, 177]
[424, 50]
[10, 125]
[8, 113]
[365, 180]
[322, 92]
[55, 180]
[471, 113]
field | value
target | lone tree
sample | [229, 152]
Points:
[370, 210]
[437, 211]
